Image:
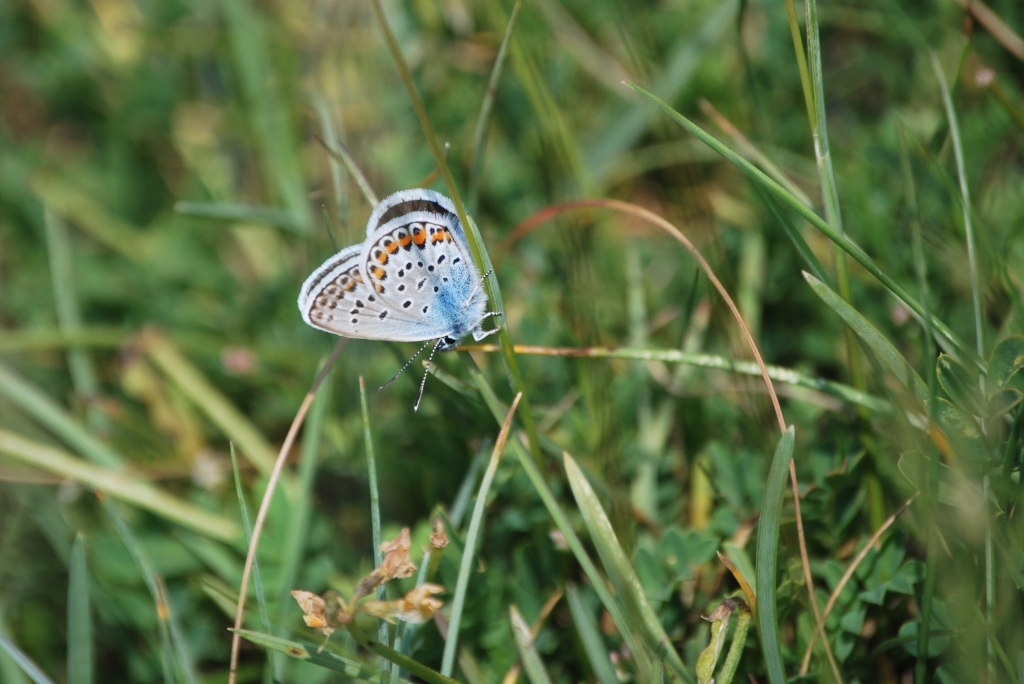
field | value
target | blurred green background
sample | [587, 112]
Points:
[164, 191]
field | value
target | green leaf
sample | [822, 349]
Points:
[681, 551]
[1003, 401]
[767, 557]
[962, 431]
[958, 383]
[890, 573]
[651, 572]
[1007, 358]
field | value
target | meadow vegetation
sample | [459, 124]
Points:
[744, 250]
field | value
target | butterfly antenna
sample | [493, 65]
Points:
[402, 369]
[426, 372]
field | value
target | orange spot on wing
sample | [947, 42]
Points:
[404, 240]
[378, 272]
[392, 247]
[419, 236]
[382, 258]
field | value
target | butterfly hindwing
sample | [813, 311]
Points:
[338, 299]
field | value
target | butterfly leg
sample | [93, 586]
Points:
[480, 333]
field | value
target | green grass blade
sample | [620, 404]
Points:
[590, 638]
[476, 167]
[263, 89]
[329, 135]
[243, 510]
[333, 662]
[38, 339]
[10, 671]
[627, 125]
[472, 541]
[69, 316]
[767, 555]
[979, 329]
[371, 482]
[173, 643]
[827, 179]
[24, 662]
[81, 655]
[791, 231]
[76, 204]
[302, 503]
[476, 245]
[353, 670]
[118, 484]
[760, 178]
[240, 213]
[875, 340]
[572, 540]
[620, 571]
[716, 362]
[236, 426]
[533, 666]
[53, 416]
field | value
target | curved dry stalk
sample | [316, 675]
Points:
[527, 226]
[275, 474]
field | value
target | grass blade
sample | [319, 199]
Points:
[80, 643]
[532, 664]
[210, 400]
[118, 484]
[268, 116]
[24, 662]
[476, 167]
[240, 213]
[590, 638]
[875, 340]
[53, 416]
[476, 245]
[173, 643]
[257, 579]
[767, 556]
[620, 570]
[371, 478]
[69, 316]
[472, 540]
[946, 335]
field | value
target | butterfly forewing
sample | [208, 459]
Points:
[421, 271]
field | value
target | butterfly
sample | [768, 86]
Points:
[412, 279]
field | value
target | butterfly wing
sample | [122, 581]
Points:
[337, 298]
[418, 263]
